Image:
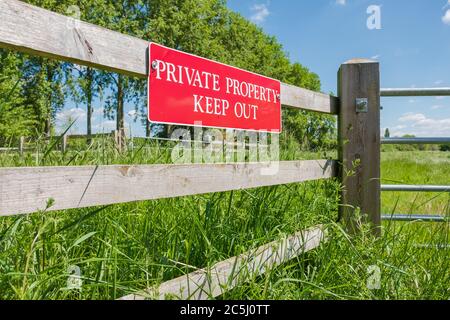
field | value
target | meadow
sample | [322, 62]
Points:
[124, 248]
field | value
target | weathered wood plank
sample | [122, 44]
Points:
[295, 97]
[226, 275]
[21, 145]
[27, 189]
[359, 138]
[37, 31]
[9, 149]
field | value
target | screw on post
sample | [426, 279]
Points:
[362, 105]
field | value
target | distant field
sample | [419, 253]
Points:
[417, 167]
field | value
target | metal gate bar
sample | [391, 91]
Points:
[415, 141]
[415, 217]
[416, 188]
[414, 92]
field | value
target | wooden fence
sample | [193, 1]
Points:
[29, 29]
[30, 144]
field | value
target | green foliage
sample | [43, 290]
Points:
[444, 147]
[44, 90]
[410, 147]
[203, 27]
[17, 116]
[208, 29]
[313, 131]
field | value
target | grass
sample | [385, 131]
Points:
[124, 248]
[419, 167]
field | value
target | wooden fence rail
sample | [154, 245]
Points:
[226, 275]
[28, 189]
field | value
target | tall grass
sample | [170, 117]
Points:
[126, 247]
[419, 167]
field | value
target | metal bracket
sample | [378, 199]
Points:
[362, 105]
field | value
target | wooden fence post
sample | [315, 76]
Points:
[21, 145]
[114, 135]
[64, 143]
[120, 140]
[359, 143]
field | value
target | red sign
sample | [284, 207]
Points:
[189, 90]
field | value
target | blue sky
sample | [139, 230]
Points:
[412, 46]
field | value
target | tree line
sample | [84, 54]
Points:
[412, 147]
[33, 89]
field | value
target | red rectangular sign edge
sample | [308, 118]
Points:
[204, 126]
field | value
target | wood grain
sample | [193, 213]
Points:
[26, 190]
[359, 138]
[226, 275]
[37, 31]
[295, 97]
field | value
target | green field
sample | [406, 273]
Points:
[417, 167]
[124, 248]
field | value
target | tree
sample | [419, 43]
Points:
[17, 117]
[207, 28]
[312, 130]
[86, 84]
[203, 27]
[45, 79]
[127, 17]
[387, 134]
[444, 147]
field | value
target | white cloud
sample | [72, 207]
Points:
[110, 125]
[436, 107]
[446, 17]
[99, 123]
[132, 113]
[412, 101]
[65, 117]
[438, 82]
[412, 117]
[341, 2]
[392, 129]
[259, 13]
[99, 111]
[376, 57]
[105, 126]
[70, 114]
[420, 125]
